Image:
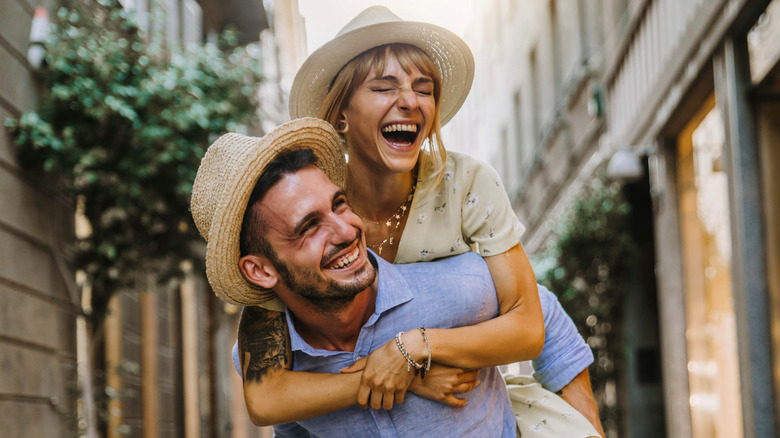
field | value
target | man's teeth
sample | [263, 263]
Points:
[399, 127]
[346, 261]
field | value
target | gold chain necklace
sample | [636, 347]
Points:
[397, 216]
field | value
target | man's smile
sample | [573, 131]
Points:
[346, 260]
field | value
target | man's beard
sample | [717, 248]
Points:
[326, 295]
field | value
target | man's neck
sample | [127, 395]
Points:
[335, 330]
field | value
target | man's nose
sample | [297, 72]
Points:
[343, 231]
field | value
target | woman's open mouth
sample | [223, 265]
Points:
[400, 134]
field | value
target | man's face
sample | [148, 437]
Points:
[318, 241]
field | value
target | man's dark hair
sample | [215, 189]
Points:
[252, 240]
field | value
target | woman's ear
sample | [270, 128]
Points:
[342, 126]
[258, 270]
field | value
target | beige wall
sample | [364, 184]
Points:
[528, 110]
[37, 322]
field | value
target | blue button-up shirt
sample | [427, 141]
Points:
[450, 293]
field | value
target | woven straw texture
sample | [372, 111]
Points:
[374, 27]
[224, 182]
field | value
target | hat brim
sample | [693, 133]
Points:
[449, 52]
[223, 249]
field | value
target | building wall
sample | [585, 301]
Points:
[143, 338]
[560, 86]
[531, 111]
[37, 293]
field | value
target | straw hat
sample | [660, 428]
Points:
[374, 27]
[225, 180]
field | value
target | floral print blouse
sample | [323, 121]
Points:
[470, 209]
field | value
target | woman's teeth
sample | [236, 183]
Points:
[399, 127]
[400, 134]
[347, 260]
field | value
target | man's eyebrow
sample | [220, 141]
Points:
[304, 220]
[301, 223]
[337, 195]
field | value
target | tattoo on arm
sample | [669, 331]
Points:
[263, 342]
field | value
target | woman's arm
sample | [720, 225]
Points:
[275, 394]
[517, 334]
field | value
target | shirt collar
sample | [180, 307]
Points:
[392, 291]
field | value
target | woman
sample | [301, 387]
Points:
[387, 85]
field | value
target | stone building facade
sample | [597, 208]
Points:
[38, 298]
[689, 89]
[163, 356]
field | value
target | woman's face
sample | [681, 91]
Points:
[388, 118]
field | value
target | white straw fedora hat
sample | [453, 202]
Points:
[225, 180]
[377, 26]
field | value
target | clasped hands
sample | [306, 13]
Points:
[386, 378]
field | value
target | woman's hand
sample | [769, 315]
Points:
[442, 383]
[385, 377]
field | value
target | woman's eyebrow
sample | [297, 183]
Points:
[389, 78]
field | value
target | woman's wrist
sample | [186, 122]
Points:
[415, 345]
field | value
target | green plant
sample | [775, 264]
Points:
[123, 122]
[589, 267]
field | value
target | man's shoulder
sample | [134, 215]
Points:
[466, 264]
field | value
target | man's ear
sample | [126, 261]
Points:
[258, 270]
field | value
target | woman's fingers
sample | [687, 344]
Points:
[387, 401]
[466, 386]
[359, 365]
[468, 376]
[363, 394]
[453, 401]
[376, 400]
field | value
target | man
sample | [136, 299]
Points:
[301, 241]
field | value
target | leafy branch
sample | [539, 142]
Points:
[589, 268]
[123, 124]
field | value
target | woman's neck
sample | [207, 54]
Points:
[375, 196]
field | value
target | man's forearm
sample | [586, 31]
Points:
[273, 393]
[579, 394]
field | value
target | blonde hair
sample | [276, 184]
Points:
[352, 74]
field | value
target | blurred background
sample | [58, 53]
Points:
[638, 141]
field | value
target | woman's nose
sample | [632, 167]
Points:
[408, 100]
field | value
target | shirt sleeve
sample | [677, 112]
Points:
[565, 354]
[236, 359]
[487, 216]
[290, 430]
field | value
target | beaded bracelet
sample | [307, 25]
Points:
[409, 361]
[423, 367]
